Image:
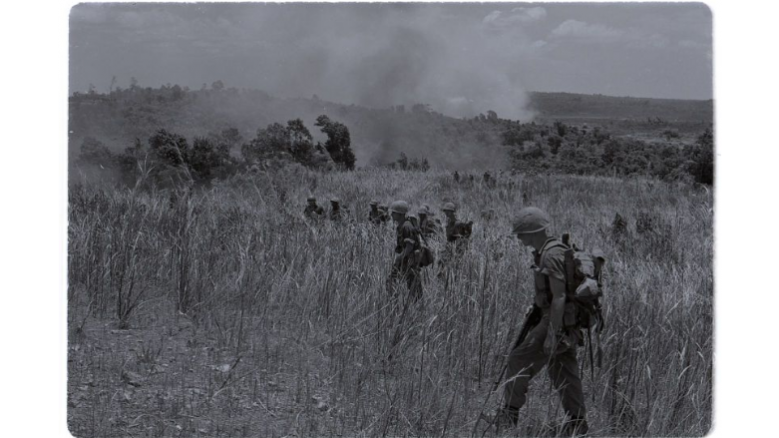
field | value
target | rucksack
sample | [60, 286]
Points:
[584, 288]
[426, 256]
[584, 284]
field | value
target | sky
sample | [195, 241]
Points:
[461, 59]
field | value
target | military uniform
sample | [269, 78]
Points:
[335, 210]
[427, 226]
[455, 242]
[383, 213]
[312, 210]
[375, 215]
[527, 359]
[407, 268]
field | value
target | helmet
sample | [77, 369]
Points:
[449, 207]
[399, 207]
[311, 199]
[335, 200]
[374, 203]
[423, 211]
[530, 220]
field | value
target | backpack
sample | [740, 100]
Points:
[426, 256]
[584, 288]
[584, 284]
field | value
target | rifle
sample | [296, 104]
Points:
[532, 317]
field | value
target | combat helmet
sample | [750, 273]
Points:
[335, 200]
[399, 207]
[449, 206]
[374, 203]
[530, 220]
[311, 199]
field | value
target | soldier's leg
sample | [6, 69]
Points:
[564, 373]
[524, 362]
[414, 283]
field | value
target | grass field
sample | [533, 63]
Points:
[225, 313]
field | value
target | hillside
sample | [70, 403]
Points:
[378, 135]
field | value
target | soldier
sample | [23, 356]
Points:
[455, 230]
[374, 216]
[383, 209]
[552, 334]
[335, 209]
[312, 210]
[427, 225]
[406, 265]
[489, 181]
[456, 176]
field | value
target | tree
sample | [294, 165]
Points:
[269, 142]
[228, 138]
[554, 142]
[128, 162]
[177, 93]
[172, 149]
[561, 128]
[218, 85]
[301, 141]
[338, 143]
[206, 159]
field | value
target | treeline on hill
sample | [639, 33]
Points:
[169, 159]
[566, 149]
[217, 120]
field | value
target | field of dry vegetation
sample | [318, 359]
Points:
[224, 313]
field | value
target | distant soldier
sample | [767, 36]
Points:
[375, 216]
[456, 176]
[312, 210]
[489, 181]
[406, 263]
[550, 339]
[455, 230]
[383, 209]
[427, 225]
[456, 237]
[335, 209]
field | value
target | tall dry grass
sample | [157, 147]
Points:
[301, 314]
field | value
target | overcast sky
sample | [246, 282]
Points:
[459, 58]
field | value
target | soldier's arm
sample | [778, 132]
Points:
[408, 247]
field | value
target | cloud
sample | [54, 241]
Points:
[599, 34]
[517, 16]
[653, 41]
[586, 32]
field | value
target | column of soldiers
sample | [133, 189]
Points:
[547, 342]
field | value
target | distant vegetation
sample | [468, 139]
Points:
[216, 132]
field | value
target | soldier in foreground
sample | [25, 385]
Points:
[551, 331]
